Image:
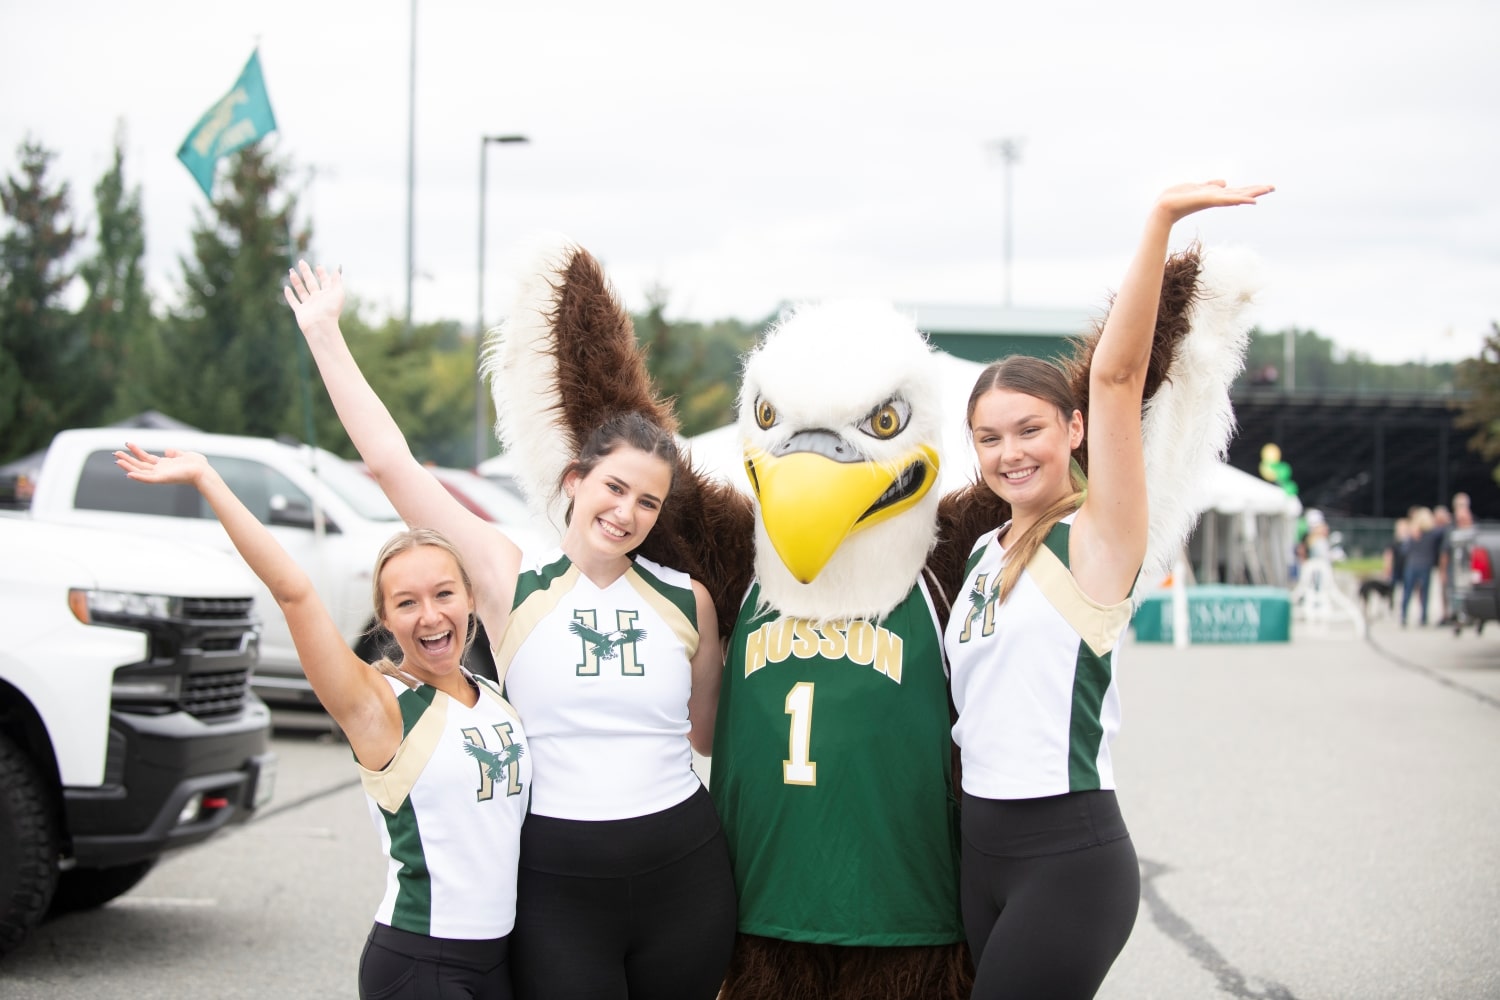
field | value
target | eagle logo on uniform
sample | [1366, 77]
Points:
[495, 764]
[606, 646]
[979, 598]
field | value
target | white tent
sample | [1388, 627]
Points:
[1246, 530]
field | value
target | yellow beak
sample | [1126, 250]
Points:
[810, 503]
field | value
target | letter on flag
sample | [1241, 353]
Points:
[239, 118]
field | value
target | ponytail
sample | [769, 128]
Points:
[1018, 557]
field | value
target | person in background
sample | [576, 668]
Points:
[614, 661]
[1421, 560]
[1454, 555]
[441, 753]
[1463, 513]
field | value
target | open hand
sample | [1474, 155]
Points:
[1184, 199]
[316, 297]
[172, 467]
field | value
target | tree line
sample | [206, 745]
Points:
[228, 357]
[1321, 365]
[83, 344]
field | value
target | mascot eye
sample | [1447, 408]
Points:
[765, 414]
[887, 420]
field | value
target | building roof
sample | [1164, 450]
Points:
[1007, 320]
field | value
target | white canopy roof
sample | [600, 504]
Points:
[1230, 491]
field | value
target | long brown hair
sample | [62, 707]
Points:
[1045, 381]
[405, 541]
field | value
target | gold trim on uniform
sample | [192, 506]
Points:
[685, 630]
[537, 605]
[390, 786]
[1098, 625]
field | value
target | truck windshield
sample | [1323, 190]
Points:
[358, 490]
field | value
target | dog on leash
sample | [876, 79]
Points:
[1377, 597]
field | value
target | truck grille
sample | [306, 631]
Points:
[207, 695]
[216, 609]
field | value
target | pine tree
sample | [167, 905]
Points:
[231, 348]
[117, 321]
[43, 360]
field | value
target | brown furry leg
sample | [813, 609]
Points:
[769, 969]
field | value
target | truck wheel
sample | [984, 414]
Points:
[88, 888]
[28, 846]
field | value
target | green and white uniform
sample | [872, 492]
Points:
[448, 811]
[1034, 679]
[603, 676]
[831, 775]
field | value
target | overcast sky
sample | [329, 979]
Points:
[779, 151]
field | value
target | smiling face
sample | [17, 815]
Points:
[616, 503]
[1024, 445]
[426, 606]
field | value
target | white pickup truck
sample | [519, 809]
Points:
[127, 724]
[332, 518]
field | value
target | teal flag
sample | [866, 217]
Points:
[239, 118]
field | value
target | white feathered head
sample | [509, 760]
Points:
[840, 418]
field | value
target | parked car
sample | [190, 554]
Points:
[1475, 556]
[485, 497]
[494, 502]
[127, 724]
[329, 517]
[502, 471]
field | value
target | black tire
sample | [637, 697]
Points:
[90, 888]
[28, 846]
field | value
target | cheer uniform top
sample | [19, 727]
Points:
[832, 777]
[448, 811]
[602, 677]
[1034, 678]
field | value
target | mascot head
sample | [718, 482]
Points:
[839, 414]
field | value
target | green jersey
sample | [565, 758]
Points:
[831, 775]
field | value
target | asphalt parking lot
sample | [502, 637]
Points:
[1315, 819]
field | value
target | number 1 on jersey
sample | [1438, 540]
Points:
[799, 704]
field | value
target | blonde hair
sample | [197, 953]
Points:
[405, 541]
[1045, 381]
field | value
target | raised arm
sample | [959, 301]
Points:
[317, 299]
[1109, 535]
[355, 694]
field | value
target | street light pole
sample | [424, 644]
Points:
[481, 428]
[1010, 151]
[411, 169]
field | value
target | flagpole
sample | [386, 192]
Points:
[411, 165]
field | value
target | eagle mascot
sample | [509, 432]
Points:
[833, 766]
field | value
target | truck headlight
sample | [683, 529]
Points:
[89, 606]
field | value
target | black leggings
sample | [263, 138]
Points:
[642, 907]
[1050, 892]
[400, 965]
